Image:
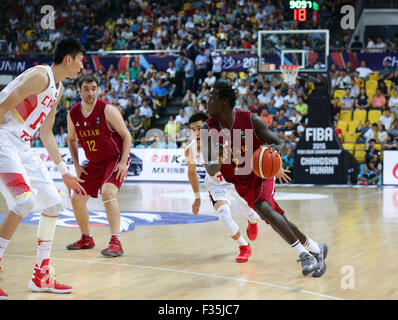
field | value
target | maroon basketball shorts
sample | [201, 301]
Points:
[99, 174]
[258, 190]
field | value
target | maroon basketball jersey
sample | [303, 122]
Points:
[99, 142]
[241, 122]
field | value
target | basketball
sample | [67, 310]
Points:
[265, 164]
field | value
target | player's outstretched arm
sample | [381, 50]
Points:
[48, 139]
[193, 180]
[116, 122]
[267, 136]
[33, 81]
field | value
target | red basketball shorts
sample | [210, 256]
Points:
[259, 190]
[99, 174]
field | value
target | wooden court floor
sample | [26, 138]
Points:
[197, 260]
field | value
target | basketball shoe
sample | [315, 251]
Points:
[43, 280]
[85, 242]
[321, 256]
[245, 253]
[114, 249]
[308, 262]
[252, 230]
[3, 295]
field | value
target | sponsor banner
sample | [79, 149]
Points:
[231, 62]
[319, 156]
[374, 61]
[146, 164]
[128, 219]
[390, 167]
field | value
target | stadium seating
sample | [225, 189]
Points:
[374, 115]
[349, 147]
[345, 115]
[359, 115]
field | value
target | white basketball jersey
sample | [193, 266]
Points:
[218, 178]
[27, 117]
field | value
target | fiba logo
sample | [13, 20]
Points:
[47, 22]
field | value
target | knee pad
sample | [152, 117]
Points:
[53, 211]
[46, 228]
[23, 204]
[224, 213]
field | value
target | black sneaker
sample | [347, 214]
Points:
[320, 257]
[308, 262]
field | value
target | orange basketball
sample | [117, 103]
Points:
[265, 164]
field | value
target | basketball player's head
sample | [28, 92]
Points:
[88, 86]
[195, 122]
[70, 53]
[222, 99]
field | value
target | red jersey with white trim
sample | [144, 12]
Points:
[99, 141]
[26, 118]
[242, 121]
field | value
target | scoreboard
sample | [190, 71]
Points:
[304, 10]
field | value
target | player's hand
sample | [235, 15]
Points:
[274, 147]
[121, 170]
[196, 206]
[72, 183]
[79, 170]
[282, 175]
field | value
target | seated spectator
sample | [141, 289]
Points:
[343, 80]
[394, 130]
[278, 99]
[362, 129]
[189, 109]
[393, 101]
[210, 80]
[383, 88]
[363, 70]
[281, 119]
[182, 118]
[292, 140]
[256, 107]
[387, 72]
[290, 127]
[147, 113]
[265, 97]
[362, 102]
[336, 107]
[160, 94]
[386, 119]
[151, 71]
[266, 117]
[61, 137]
[382, 134]
[372, 171]
[271, 108]
[136, 124]
[371, 150]
[370, 134]
[347, 102]
[242, 104]
[172, 128]
[301, 107]
[378, 101]
[295, 117]
[288, 161]
[291, 98]
[134, 70]
[142, 144]
[124, 100]
[357, 45]
[189, 95]
[390, 143]
[274, 126]
[301, 127]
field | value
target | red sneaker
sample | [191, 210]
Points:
[3, 295]
[85, 242]
[114, 249]
[43, 280]
[245, 253]
[252, 230]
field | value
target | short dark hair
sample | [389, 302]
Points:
[225, 91]
[87, 79]
[199, 116]
[67, 46]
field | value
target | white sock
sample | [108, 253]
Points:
[252, 216]
[116, 235]
[299, 247]
[43, 252]
[312, 246]
[3, 246]
[241, 241]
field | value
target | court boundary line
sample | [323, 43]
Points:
[209, 275]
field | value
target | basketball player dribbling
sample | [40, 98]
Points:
[259, 193]
[26, 104]
[100, 130]
[219, 192]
